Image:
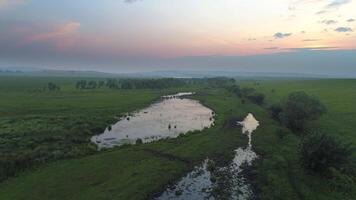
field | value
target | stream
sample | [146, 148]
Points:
[174, 115]
[204, 179]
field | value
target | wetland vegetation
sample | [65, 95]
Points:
[46, 152]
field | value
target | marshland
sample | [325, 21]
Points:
[48, 151]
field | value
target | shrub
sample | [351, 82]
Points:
[235, 89]
[257, 98]
[341, 182]
[246, 91]
[139, 141]
[231, 122]
[299, 109]
[282, 132]
[274, 111]
[320, 152]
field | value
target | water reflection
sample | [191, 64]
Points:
[196, 185]
[170, 117]
[249, 125]
[210, 182]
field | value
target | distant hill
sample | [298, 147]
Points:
[155, 74]
[56, 73]
[208, 74]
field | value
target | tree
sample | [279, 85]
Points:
[235, 89]
[78, 85]
[300, 108]
[53, 87]
[257, 98]
[320, 152]
[82, 84]
[246, 91]
[275, 110]
[101, 84]
[92, 84]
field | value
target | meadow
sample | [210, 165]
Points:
[279, 171]
[40, 126]
[338, 96]
[61, 122]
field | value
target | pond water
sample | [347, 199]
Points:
[204, 180]
[168, 118]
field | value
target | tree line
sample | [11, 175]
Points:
[162, 83]
[130, 83]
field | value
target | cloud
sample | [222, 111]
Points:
[280, 35]
[343, 29]
[311, 40]
[131, 1]
[58, 32]
[333, 5]
[321, 12]
[328, 22]
[350, 20]
[10, 3]
[294, 4]
[310, 48]
[337, 3]
[271, 48]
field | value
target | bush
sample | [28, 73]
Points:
[299, 109]
[257, 98]
[274, 111]
[246, 91]
[320, 152]
[341, 182]
[235, 89]
[282, 132]
[231, 122]
[139, 141]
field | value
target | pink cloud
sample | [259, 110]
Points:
[59, 32]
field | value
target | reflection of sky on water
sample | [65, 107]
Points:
[168, 118]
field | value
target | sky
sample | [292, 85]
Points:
[285, 36]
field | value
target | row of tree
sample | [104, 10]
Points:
[130, 83]
[161, 83]
[83, 84]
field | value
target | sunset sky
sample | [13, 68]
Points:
[147, 35]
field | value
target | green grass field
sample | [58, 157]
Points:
[280, 172]
[37, 127]
[339, 96]
[138, 172]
